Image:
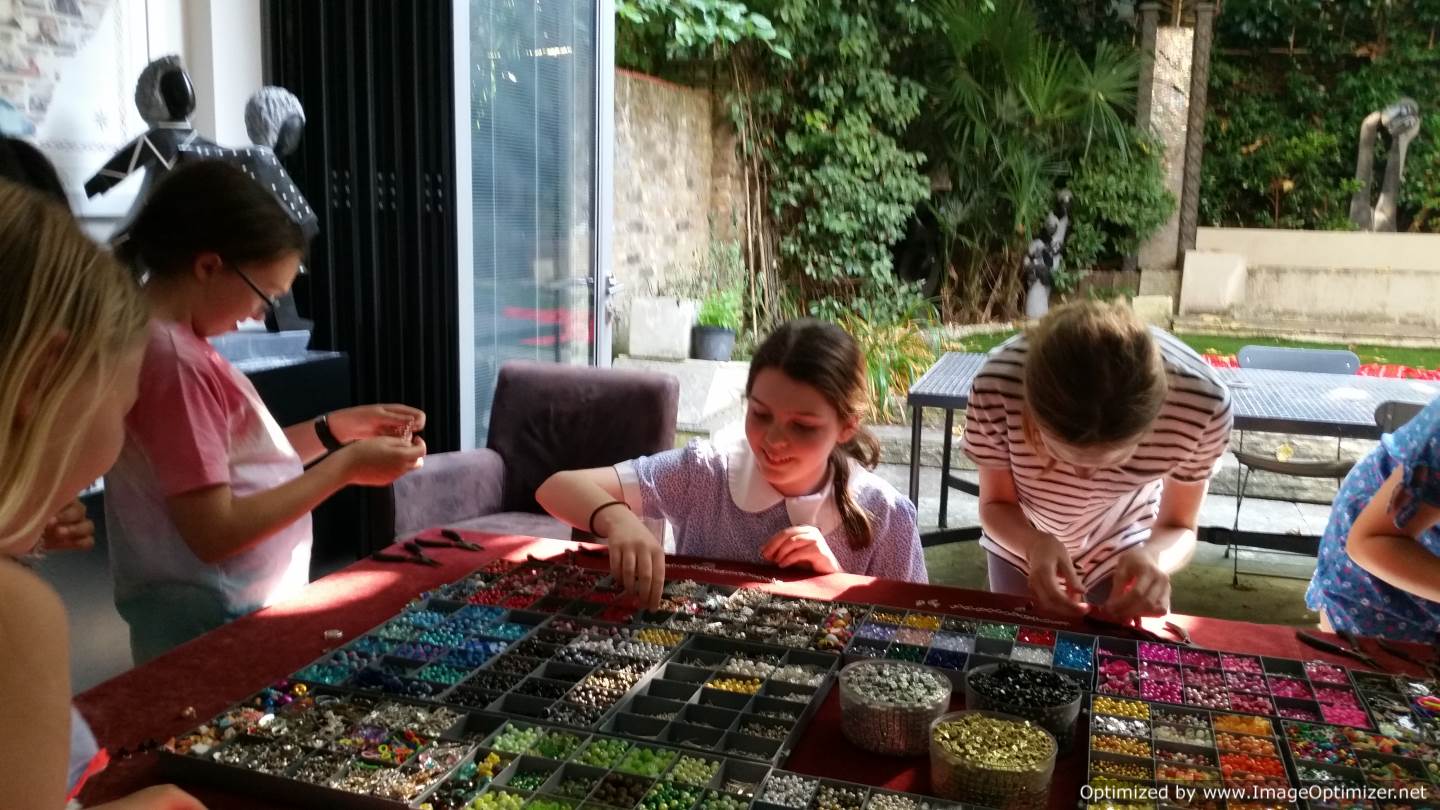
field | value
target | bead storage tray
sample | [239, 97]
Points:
[1396, 702]
[424, 650]
[956, 645]
[711, 695]
[687, 605]
[1312, 691]
[535, 763]
[1143, 751]
[323, 749]
[561, 670]
[1344, 757]
[819, 793]
[597, 770]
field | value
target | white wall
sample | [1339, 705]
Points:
[1335, 281]
[223, 50]
[1264, 247]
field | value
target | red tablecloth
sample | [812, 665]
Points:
[150, 703]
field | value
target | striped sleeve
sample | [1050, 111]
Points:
[1211, 444]
[987, 432]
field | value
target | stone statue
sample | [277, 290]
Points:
[165, 98]
[1401, 123]
[1043, 259]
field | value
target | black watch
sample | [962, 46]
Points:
[326, 436]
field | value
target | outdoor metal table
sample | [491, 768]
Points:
[1300, 402]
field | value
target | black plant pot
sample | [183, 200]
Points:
[711, 342]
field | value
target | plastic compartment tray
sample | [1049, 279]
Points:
[715, 720]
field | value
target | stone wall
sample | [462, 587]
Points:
[1170, 107]
[675, 175]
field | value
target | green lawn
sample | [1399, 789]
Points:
[1211, 344]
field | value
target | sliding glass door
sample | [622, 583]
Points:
[535, 112]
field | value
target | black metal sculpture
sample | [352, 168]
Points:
[275, 121]
[165, 98]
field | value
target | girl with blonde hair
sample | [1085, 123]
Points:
[1096, 437]
[72, 325]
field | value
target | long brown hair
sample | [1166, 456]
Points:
[825, 357]
[208, 206]
[1094, 375]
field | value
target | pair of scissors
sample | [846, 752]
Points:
[413, 553]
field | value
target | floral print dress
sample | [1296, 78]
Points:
[1352, 598]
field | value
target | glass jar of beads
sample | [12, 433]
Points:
[1048, 698]
[991, 759]
[887, 707]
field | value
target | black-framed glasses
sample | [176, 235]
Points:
[271, 302]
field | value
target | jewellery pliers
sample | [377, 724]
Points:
[452, 539]
[413, 554]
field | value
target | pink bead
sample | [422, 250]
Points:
[1336, 697]
[1164, 691]
[1246, 682]
[1151, 671]
[1240, 663]
[1319, 671]
[1199, 658]
[1344, 716]
[1151, 651]
[1204, 677]
[1252, 704]
[1289, 688]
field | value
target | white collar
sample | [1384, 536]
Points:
[752, 493]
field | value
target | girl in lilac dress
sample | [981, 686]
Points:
[1379, 568]
[797, 492]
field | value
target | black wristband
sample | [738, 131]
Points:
[325, 435]
[597, 511]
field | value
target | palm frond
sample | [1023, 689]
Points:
[1106, 92]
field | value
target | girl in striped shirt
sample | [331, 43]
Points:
[1095, 437]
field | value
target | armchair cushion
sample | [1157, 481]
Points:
[549, 417]
[451, 488]
[528, 524]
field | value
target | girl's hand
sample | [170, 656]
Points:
[800, 545]
[637, 559]
[1053, 581]
[378, 461]
[69, 530]
[369, 421]
[1139, 586]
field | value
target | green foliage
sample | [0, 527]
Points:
[1291, 82]
[652, 33]
[897, 349]
[825, 132]
[722, 308]
[1118, 200]
[1018, 112]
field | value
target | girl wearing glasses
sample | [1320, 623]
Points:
[208, 508]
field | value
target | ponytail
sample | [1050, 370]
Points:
[864, 448]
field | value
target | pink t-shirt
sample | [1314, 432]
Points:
[199, 423]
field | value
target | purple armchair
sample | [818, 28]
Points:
[545, 418]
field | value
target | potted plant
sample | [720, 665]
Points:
[713, 336]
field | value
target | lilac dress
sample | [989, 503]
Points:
[1353, 599]
[719, 506]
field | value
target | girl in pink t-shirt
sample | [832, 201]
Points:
[208, 509]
